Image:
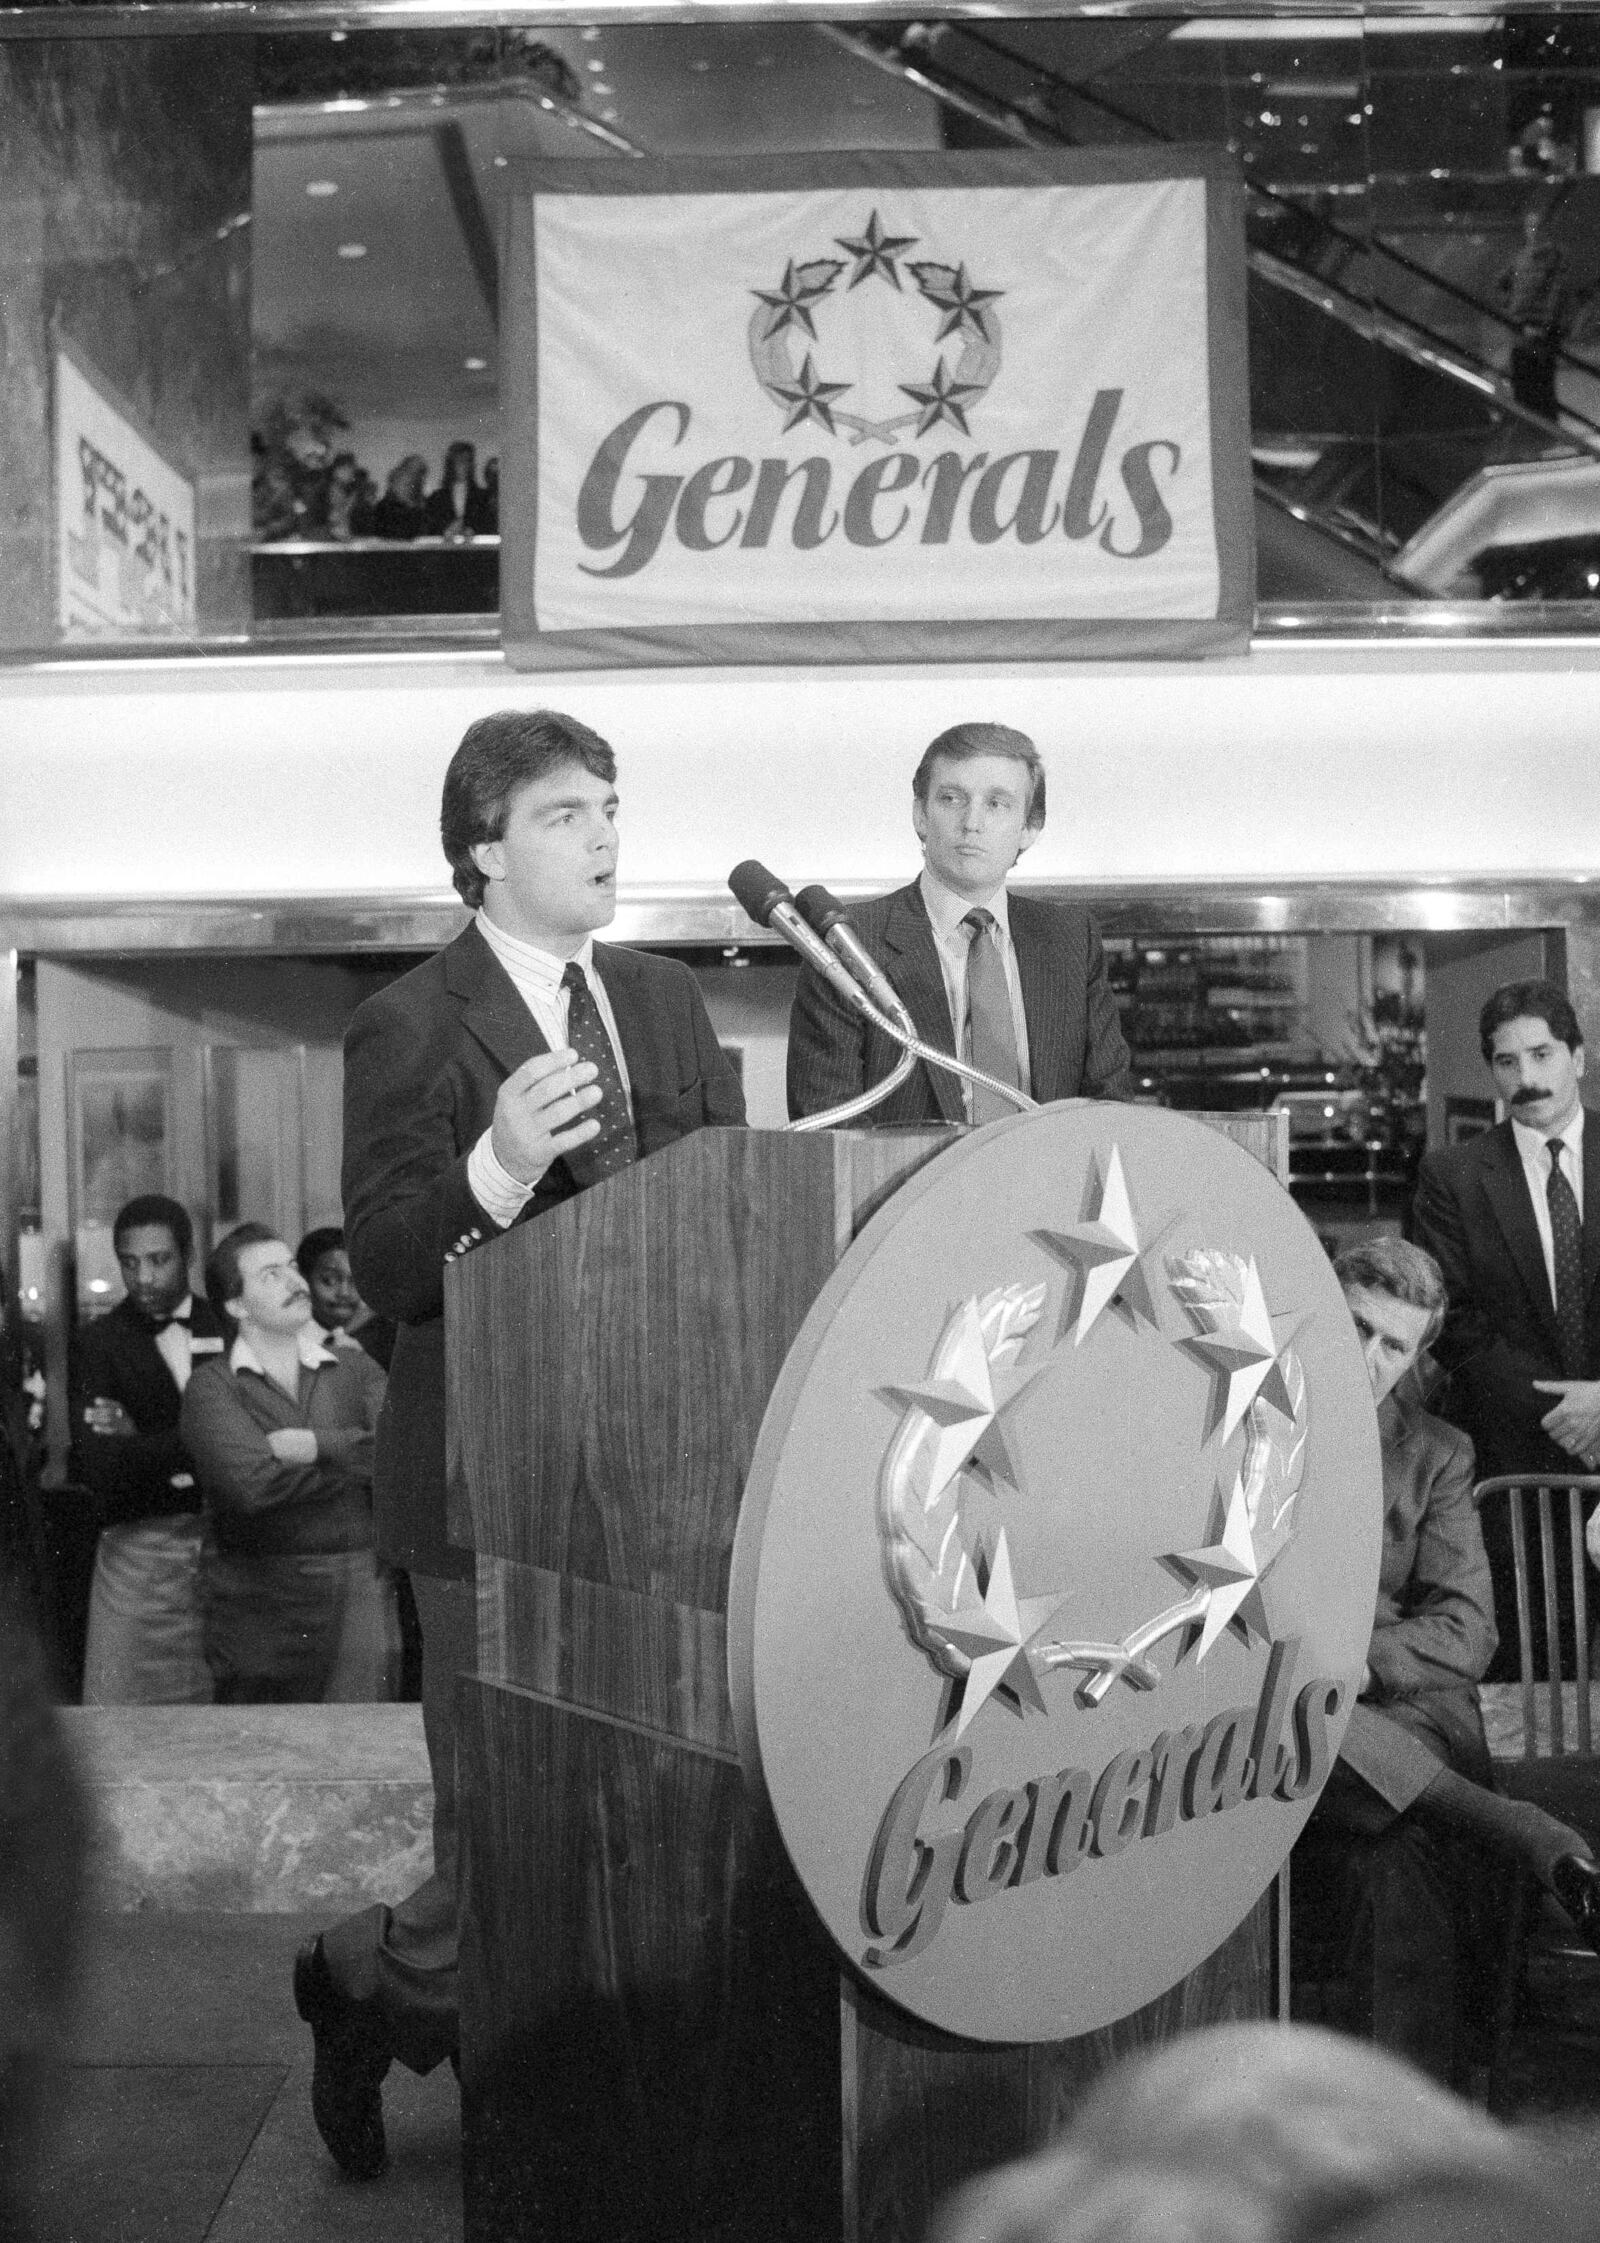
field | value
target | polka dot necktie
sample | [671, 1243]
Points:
[616, 1146]
[991, 1031]
[1566, 1230]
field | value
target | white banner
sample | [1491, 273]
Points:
[867, 405]
[124, 518]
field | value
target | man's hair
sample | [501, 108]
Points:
[223, 1280]
[314, 1245]
[153, 1210]
[497, 755]
[1529, 1000]
[1403, 1271]
[964, 741]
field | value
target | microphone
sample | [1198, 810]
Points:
[827, 916]
[768, 901]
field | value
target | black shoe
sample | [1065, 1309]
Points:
[347, 2074]
[1575, 1881]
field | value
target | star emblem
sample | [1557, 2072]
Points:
[1246, 1358]
[996, 1631]
[1231, 1572]
[1106, 1255]
[810, 398]
[954, 295]
[942, 399]
[801, 288]
[874, 252]
[964, 1407]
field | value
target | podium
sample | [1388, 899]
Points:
[658, 2038]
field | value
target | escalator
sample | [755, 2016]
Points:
[1394, 459]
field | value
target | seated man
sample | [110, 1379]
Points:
[1413, 1775]
[130, 1370]
[1014, 986]
[281, 1436]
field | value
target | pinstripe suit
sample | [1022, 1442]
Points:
[1075, 1045]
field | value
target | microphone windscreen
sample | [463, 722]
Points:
[757, 891]
[819, 908]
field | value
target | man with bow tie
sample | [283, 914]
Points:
[130, 1371]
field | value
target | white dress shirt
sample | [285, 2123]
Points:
[953, 942]
[537, 976]
[1534, 1148]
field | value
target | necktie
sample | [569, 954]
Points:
[616, 1146]
[1566, 1231]
[991, 1031]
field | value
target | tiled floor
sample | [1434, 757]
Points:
[186, 2115]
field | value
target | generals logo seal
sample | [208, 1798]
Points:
[1057, 1567]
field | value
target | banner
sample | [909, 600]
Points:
[876, 407]
[124, 517]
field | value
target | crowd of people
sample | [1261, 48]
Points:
[309, 490]
[233, 1442]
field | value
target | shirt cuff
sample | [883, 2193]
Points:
[493, 1186]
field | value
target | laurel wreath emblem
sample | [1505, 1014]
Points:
[939, 1563]
[785, 315]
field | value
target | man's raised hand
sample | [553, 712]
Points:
[542, 1111]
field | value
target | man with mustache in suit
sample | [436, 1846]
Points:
[522, 1064]
[1015, 986]
[1513, 1219]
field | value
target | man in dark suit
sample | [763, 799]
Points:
[1513, 1219]
[130, 1368]
[1014, 986]
[1410, 1797]
[521, 1064]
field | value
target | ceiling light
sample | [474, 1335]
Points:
[598, 88]
[338, 36]
[590, 31]
[594, 63]
[321, 187]
[352, 249]
[475, 365]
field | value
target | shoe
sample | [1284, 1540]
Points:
[1575, 1881]
[347, 2073]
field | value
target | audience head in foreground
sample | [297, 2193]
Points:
[1260, 2133]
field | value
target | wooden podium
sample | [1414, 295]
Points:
[658, 2039]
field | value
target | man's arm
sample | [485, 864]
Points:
[1446, 1633]
[827, 1048]
[130, 1474]
[1107, 1061]
[238, 1464]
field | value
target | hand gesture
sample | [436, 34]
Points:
[542, 1111]
[1574, 1423]
[109, 1419]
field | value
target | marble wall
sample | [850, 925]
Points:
[120, 160]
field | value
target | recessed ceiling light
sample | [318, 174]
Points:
[352, 249]
[337, 36]
[500, 162]
[599, 88]
[590, 31]
[475, 365]
[595, 63]
[321, 187]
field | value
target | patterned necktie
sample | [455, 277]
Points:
[991, 1030]
[1566, 1231]
[616, 1146]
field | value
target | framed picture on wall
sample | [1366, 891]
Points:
[1467, 1117]
[119, 1126]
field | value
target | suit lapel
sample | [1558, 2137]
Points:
[1041, 999]
[630, 1011]
[914, 969]
[490, 1005]
[1506, 1187]
[1591, 1200]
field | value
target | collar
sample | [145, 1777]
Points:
[946, 909]
[314, 1352]
[528, 960]
[1531, 1143]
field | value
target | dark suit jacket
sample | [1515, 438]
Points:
[1075, 1044]
[116, 1357]
[1473, 1214]
[424, 1061]
[1433, 1631]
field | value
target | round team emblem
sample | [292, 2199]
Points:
[941, 299]
[1056, 1569]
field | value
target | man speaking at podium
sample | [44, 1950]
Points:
[1016, 987]
[520, 1065]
